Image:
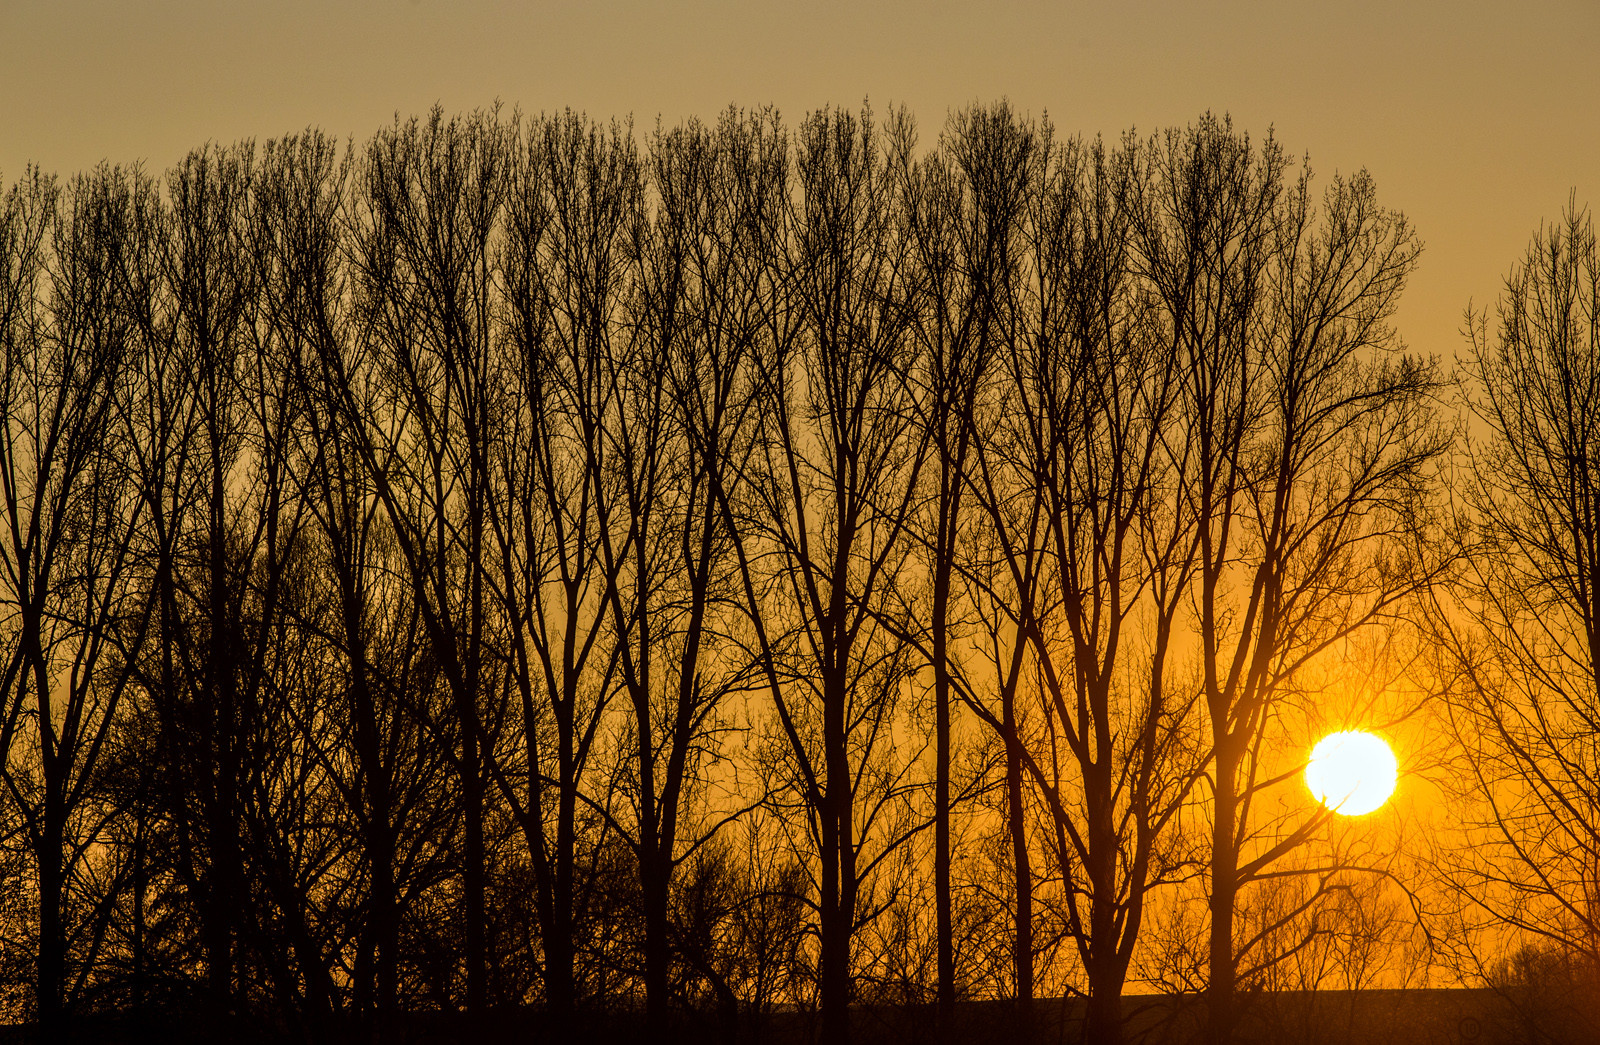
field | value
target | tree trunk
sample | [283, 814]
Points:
[219, 722]
[385, 927]
[140, 884]
[835, 943]
[1104, 965]
[52, 943]
[1022, 945]
[941, 788]
[1220, 983]
[560, 988]
[656, 953]
[1103, 1020]
[837, 913]
[473, 873]
[383, 930]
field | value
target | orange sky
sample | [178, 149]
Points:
[1476, 118]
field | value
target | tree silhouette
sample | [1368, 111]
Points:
[1309, 441]
[68, 560]
[1520, 638]
[832, 488]
[746, 579]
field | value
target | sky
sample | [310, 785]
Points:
[1476, 119]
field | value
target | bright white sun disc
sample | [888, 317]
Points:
[1352, 772]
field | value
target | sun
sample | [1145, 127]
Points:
[1352, 772]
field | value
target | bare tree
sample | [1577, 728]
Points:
[1087, 560]
[361, 707]
[213, 476]
[1309, 435]
[158, 412]
[832, 485]
[688, 411]
[561, 520]
[965, 203]
[69, 556]
[1521, 636]
[430, 198]
[295, 242]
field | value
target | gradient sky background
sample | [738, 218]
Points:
[1476, 118]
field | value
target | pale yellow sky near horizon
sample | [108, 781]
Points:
[1477, 119]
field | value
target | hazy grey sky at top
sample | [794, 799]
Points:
[1476, 118]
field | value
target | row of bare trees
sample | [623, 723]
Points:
[510, 562]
